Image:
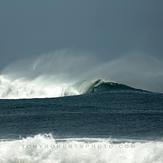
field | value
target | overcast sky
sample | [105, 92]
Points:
[106, 29]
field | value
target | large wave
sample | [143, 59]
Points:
[61, 73]
[46, 149]
[42, 88]
[50, 75]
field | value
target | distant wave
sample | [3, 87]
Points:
[45, 148]
[42, 87]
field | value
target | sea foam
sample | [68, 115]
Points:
[47, 149]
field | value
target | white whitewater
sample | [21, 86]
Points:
[39, 87]
[46, 149]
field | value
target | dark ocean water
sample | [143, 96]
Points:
[128, 114]
[104, 127]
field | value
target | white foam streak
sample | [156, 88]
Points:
[46, 149]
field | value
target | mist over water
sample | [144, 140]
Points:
[49, 75]
[46, 76]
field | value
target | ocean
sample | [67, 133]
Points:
[100, 127]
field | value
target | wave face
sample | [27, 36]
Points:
[102, 86]
[46, 149]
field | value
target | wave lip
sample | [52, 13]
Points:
[45, 148]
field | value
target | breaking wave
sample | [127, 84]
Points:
[36, 88]
[61, 72]
[48, 75]
[39, 87]
[47, 149]
[42, 87]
